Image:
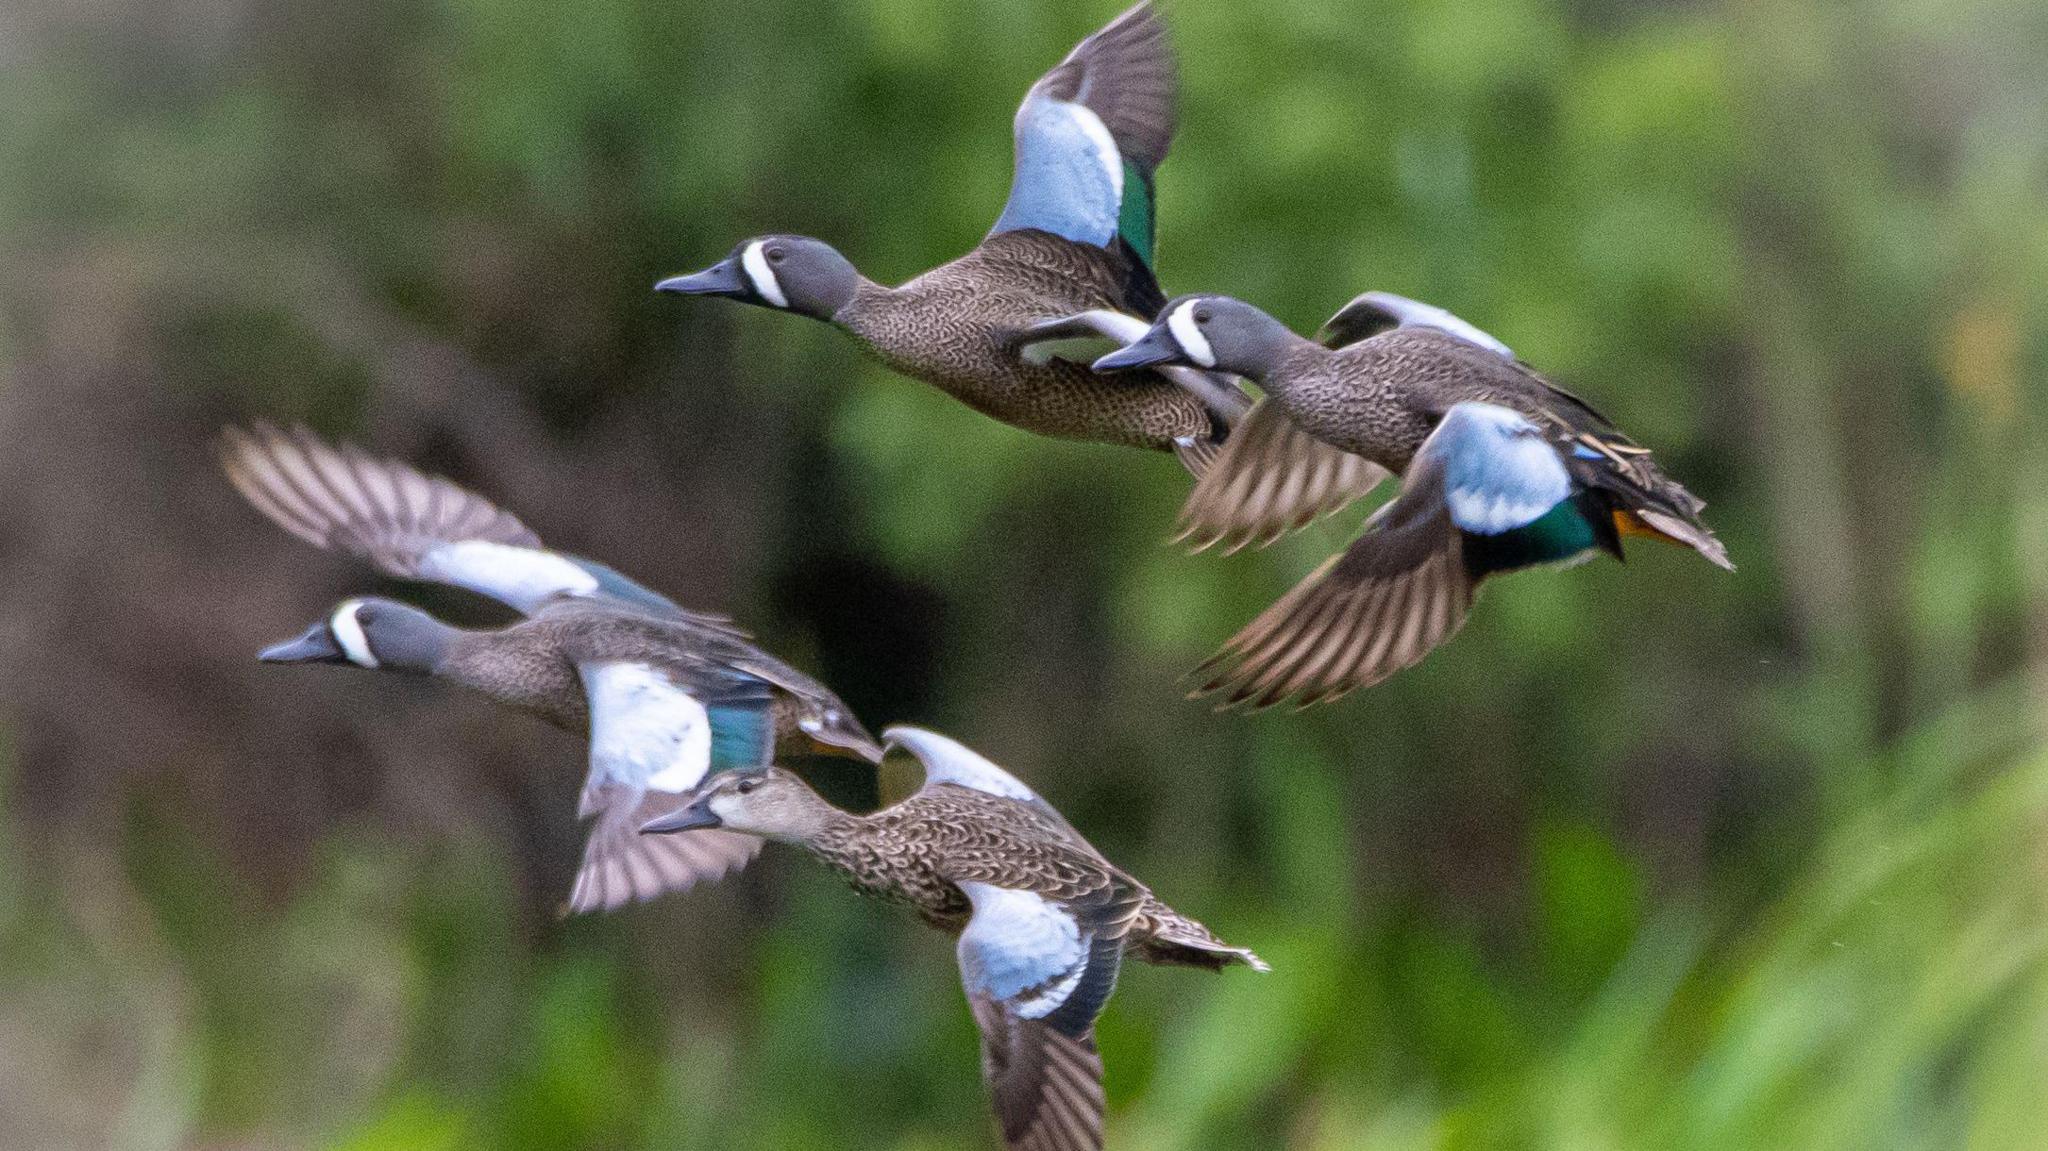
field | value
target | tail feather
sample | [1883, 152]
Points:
[1665, 526]
[1165, 936]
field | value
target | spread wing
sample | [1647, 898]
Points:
[1037, 968]
[621, 866]
[1046, 1087]
[1486, 479]
[1371, 313]
[653, 739]
[1271, 478]
[948, 761]
[1091, 132]
[416, 526]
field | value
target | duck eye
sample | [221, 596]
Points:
[1201, 316]
[775, 255]
[746, 785]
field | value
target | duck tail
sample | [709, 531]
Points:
[1672, 529]
[1646, 502]
[1167, 937]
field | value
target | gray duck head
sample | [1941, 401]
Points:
[769, 802]
[1213, 332]
[370, 633]
[790, 273]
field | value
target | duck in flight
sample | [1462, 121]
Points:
[1501, 470]
[1074, 244]
[664, 695]
[1043, 921]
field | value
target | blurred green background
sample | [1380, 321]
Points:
[1650, 857]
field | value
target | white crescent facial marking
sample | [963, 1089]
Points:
[348, 632]
[763, 277]
[1189, 335]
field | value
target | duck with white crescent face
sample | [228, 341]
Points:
[1066, 273]
[1501, 470]
[666, 696]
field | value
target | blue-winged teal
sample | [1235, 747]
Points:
[1503, 470]
[665, 695]
[1043, 920]
[1073, 244]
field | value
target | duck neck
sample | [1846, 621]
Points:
[866, 297]
[1278, 356]
[416, 644]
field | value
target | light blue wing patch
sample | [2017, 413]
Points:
[1069, 177]
[1499, 471]
[614, 586]
[1021, 950]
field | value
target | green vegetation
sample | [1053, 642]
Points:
[1649, 857]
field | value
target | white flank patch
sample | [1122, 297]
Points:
[1189, 335]
[947, 760]
[348, 632]
[645, 732]
[763, 277]
[1017, 942]
[522, 577]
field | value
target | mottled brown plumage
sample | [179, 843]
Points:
[959, 327]
[975, 854]
[1390, 379]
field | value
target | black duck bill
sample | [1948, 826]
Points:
[1153, 349]
[725, 278]
[315, 646]
[692, 816]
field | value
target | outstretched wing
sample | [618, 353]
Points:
[1271, 478]
[417, 526]
[948, 761]
[1371, 313]
[1046, 1087]
[621, 866]
[1487, 479]
[1090, 134]
[1037, 968]
[652, 740]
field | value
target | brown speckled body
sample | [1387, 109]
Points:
[1381, 397]
[955, 327]
[531, 665]
[916, 853]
